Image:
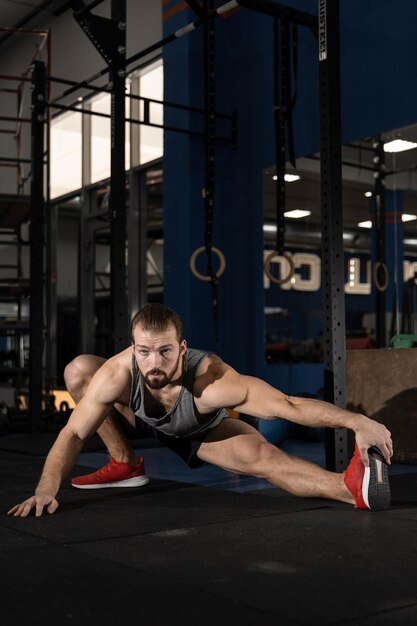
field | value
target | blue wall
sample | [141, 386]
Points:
[378, 52]
[378, 70]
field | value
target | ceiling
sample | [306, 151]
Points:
[357, 179]
[20, 13]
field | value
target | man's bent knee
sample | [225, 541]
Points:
[79, 372]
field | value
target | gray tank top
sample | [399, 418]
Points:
[183, 420]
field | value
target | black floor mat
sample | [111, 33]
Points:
[62, 585]
[39, 445]
[175, 554]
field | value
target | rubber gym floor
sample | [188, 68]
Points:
[201, 547]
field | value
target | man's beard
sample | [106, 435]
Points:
[163, 378]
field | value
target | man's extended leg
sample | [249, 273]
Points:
[123, 466]
[238, 447]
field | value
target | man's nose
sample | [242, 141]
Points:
[156, 359]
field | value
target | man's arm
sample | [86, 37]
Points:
[221, 386]
[58, 464]
[105, 388]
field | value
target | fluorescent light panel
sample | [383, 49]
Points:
[405, 217]
[294, 214]
[399, 145]
[289, 178]
[297, 214]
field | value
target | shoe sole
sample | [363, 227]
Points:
[136, 481]
[376, 491]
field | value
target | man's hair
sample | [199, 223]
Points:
[156, 318]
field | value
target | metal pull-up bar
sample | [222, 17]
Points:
[261, 6]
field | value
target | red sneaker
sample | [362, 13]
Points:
[113, 474]
[369, 485]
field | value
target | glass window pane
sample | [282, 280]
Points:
[66, 161]
[151, 139]
[100, 138]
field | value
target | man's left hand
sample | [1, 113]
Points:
[370, 433]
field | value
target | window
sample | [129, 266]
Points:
[66, 155]
[151, 140]
[143, 143]
[100, 138]
[149, 83]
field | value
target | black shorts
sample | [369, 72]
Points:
[185, 448]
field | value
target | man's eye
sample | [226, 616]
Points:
[143, 352]
[166, 351]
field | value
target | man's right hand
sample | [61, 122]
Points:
[37, 502]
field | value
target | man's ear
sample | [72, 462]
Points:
[183, 347]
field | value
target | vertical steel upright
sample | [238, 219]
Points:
[137, 215]
[137, 241]
[210, 155]
[334, 350]
[117, 73]
[109, 38]
[37, 241]
[380, 271]
[86, 281]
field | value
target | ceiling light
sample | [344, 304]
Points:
[407, 217]
[368, 194]
[366, 224]
[269, 228]
[399, 145]
[297, 213]
[289, 178]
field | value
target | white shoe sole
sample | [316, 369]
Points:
[365, 486]
[136, 481]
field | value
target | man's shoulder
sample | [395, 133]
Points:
[205, 360]
[217, 385]
[115, 376]
[123, 358]
[210, 370]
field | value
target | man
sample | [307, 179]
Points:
[182, 395]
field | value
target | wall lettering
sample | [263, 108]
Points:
[307, 274]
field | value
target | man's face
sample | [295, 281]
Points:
[158, 355]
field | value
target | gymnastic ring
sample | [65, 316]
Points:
[193, 259]
[380, 286]
[285, 279]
